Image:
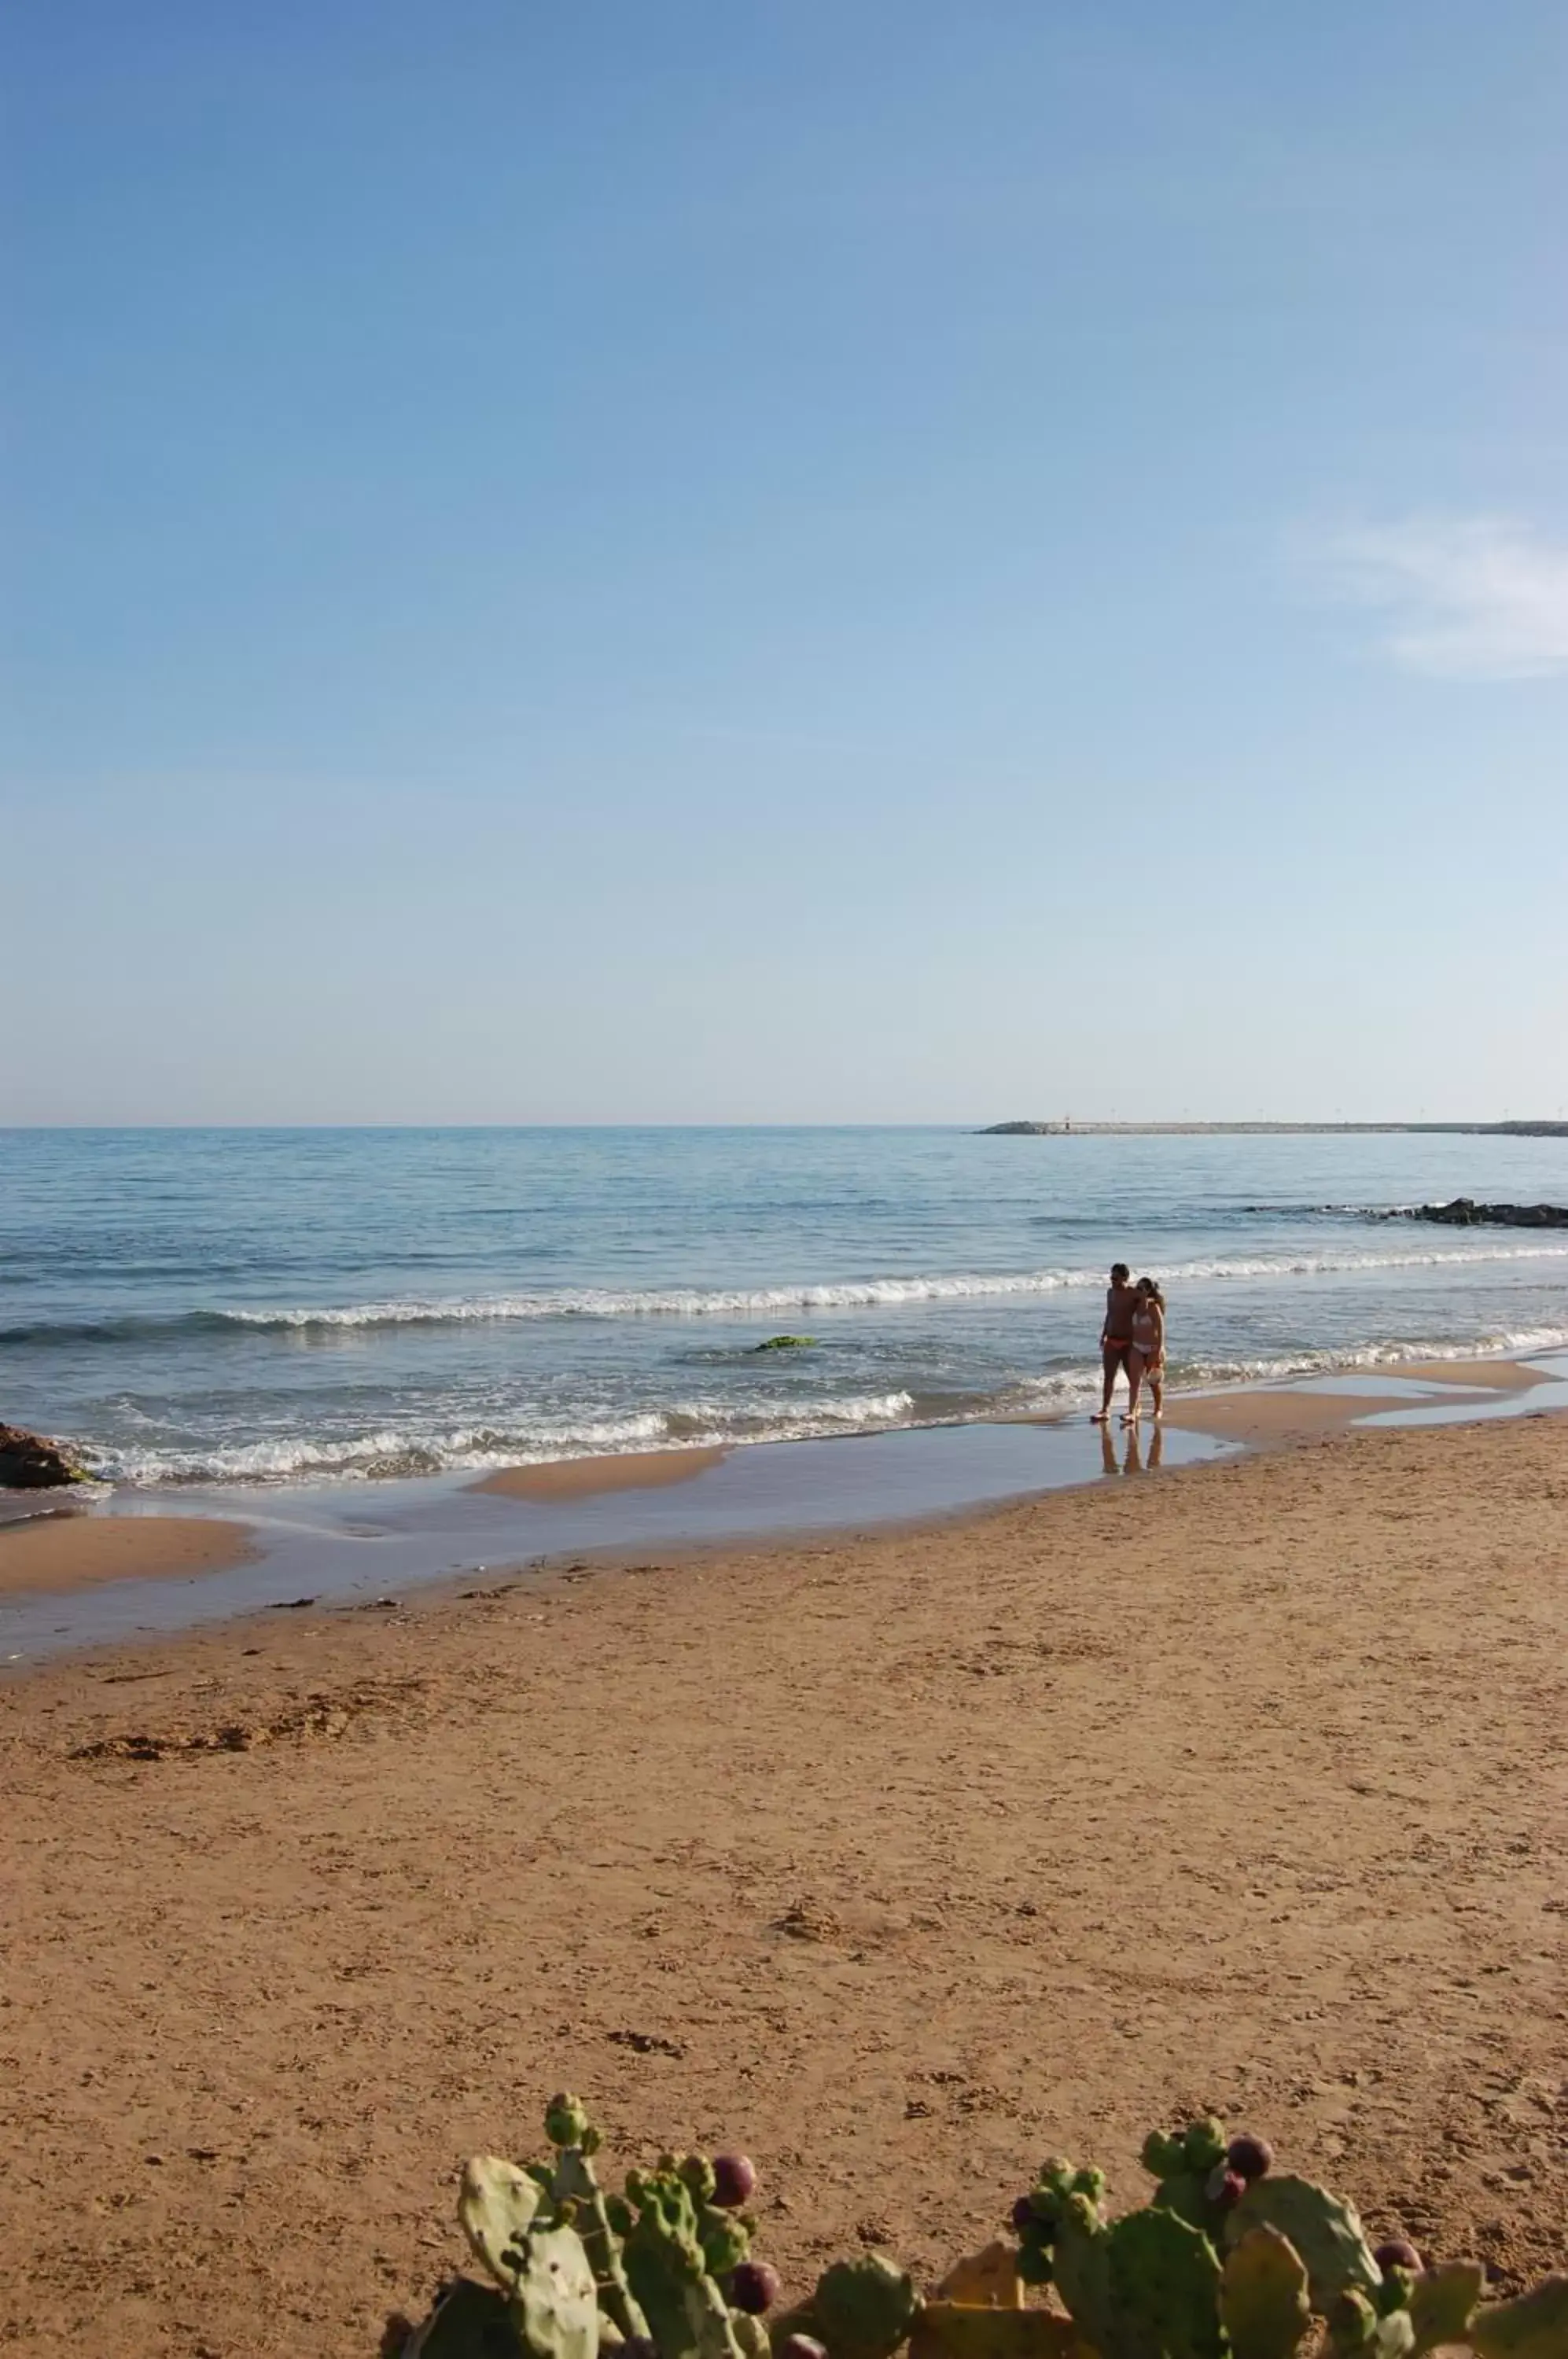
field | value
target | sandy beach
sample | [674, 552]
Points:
[903, 1860]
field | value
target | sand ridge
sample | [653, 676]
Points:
[74, 1550]
[906, 1860]
[581, 1478]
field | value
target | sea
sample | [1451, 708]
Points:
[256, 1307]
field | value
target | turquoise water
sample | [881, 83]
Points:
[244, 1306]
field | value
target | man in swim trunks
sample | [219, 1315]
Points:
[1116, 1335]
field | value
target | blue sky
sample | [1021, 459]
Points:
[779, 561]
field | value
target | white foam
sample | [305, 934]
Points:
[851, 1294]
[424, 1450]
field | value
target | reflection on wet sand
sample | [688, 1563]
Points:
[1135, 1459]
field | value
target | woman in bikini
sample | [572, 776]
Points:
[1116, 1336]
[1146, 1361]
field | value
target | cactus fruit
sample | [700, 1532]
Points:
[1263, 2295]
[1324, 2232]
[734, 2180]
[1204, 2143]
[1163, 2282]
[1533, 2327]
[1396, 2253]
[800, 2346]
[566, 2122]
[497, 2205]
[754, 2286]
[1249, 2158]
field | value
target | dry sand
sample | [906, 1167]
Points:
[904, 1861]
[581, 1478]
[73, 1550]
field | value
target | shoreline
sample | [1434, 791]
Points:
[915, 1853]
[81, 1573]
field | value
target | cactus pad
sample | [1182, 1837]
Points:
[1325, 2232]
[497, 2205]
[469, 2321]
[556, 2301]
[1263, 2295]
[1533, 2327]
[948, 2329]
[864, 2309]
[1442, 2303]
[1163, 2282]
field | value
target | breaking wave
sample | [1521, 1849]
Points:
[392, 1451]
[753, 1303]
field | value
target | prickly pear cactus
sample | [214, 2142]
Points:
[469, 2321]
[1324, 2232]
[1164, 2280]
[1533, 2327]
[1442, 2303]
[1081, 2267]
[667, 2269]
[1356, 2329]
[497, 2205]
[861, 2309]
[574, 2180]
[555, 2303]
[1263, 2297]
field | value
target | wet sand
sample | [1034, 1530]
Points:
[902, 1860]
[585, 1478]
[1500, 1375]
[52, 1553]
[1262, 1420]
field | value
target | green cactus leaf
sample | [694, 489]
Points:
[751, 2335]
[1164, 2287]
[1080, 2268]
[1356, 2331]
[497, 2205]
[469, 2321]
[556, 2300]
[864, 2309]
[1263, 2295]
[1184, 2193]
[1533, 2327]
[951, 2329]
[575, 2181]
[1442, 2302]
[1325, 2232]
[687, 2315]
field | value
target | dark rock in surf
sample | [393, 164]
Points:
[1464, 1213]
[29, 1462]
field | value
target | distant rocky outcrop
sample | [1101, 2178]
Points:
[1022, 1129]
[29, 1462]
[1464, 1213]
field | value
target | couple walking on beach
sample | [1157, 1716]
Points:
[1132, 1343]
